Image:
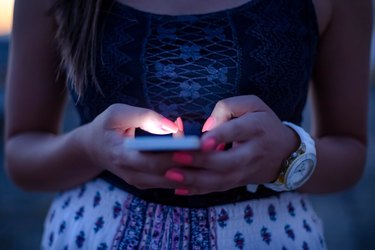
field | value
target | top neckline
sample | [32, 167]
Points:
[223, 11]
[241, 7]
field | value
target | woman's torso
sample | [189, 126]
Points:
[181, 65]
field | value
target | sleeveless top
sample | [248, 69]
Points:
[182, 65]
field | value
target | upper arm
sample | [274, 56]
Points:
[34, 94]
[341, 73]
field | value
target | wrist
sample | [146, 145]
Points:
[292, 141]
[299, 166]
[85, 145]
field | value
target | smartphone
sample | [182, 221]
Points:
[161, 143]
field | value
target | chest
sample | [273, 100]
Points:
[185, 7]
[181, 65]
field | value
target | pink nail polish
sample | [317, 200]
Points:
[208, 124]
[181, 191]
[169, 126]
[173, 175]
[208, 144]
[182, 158]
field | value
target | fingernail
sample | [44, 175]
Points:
[181, 191]
[182, 158]
[169, 126]
[208, 124]
[220, 147]
[179, 124]
[208, 144]
[174, 175]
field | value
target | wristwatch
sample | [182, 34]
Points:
[300, 165]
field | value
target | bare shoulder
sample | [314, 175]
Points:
[323, 9]
[41, 5]
[358, 9]
[351, 5]
[31, 12]
[327, 10]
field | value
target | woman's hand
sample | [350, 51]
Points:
[105, 145]
[260, 143]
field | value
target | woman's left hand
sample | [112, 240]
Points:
[260, 142]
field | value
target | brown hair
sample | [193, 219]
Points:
[76, 37]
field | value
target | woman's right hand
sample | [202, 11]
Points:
[104, 145]
[38, 156]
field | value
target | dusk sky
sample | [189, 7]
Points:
[6, 11]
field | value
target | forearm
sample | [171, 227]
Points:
[47, 162]
[341, 162]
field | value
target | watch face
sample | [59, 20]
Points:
[300, 171]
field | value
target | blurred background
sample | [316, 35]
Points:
[349, 216]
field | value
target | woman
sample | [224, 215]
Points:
[235, 73]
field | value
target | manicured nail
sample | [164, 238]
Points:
[181, 191]
[208, 144]
[182, 158]
[179, 124]
[220, 147]
[208, 125]
[174, 175]
[169, 126]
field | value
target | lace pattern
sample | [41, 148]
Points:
[190, 68]
[182, 65]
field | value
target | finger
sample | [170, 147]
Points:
[201, 181]
[155, 163]
[228, 161]
[130, 132]
[142, 180]
[219, 161]
[122, 116]
[233, 107]
[237, 130]
[180, 125]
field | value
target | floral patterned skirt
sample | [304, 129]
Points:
[99, 216]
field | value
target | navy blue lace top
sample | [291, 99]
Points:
[182, 65]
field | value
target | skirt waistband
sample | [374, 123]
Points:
[167, 196]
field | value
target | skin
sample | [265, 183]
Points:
[39, 157]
